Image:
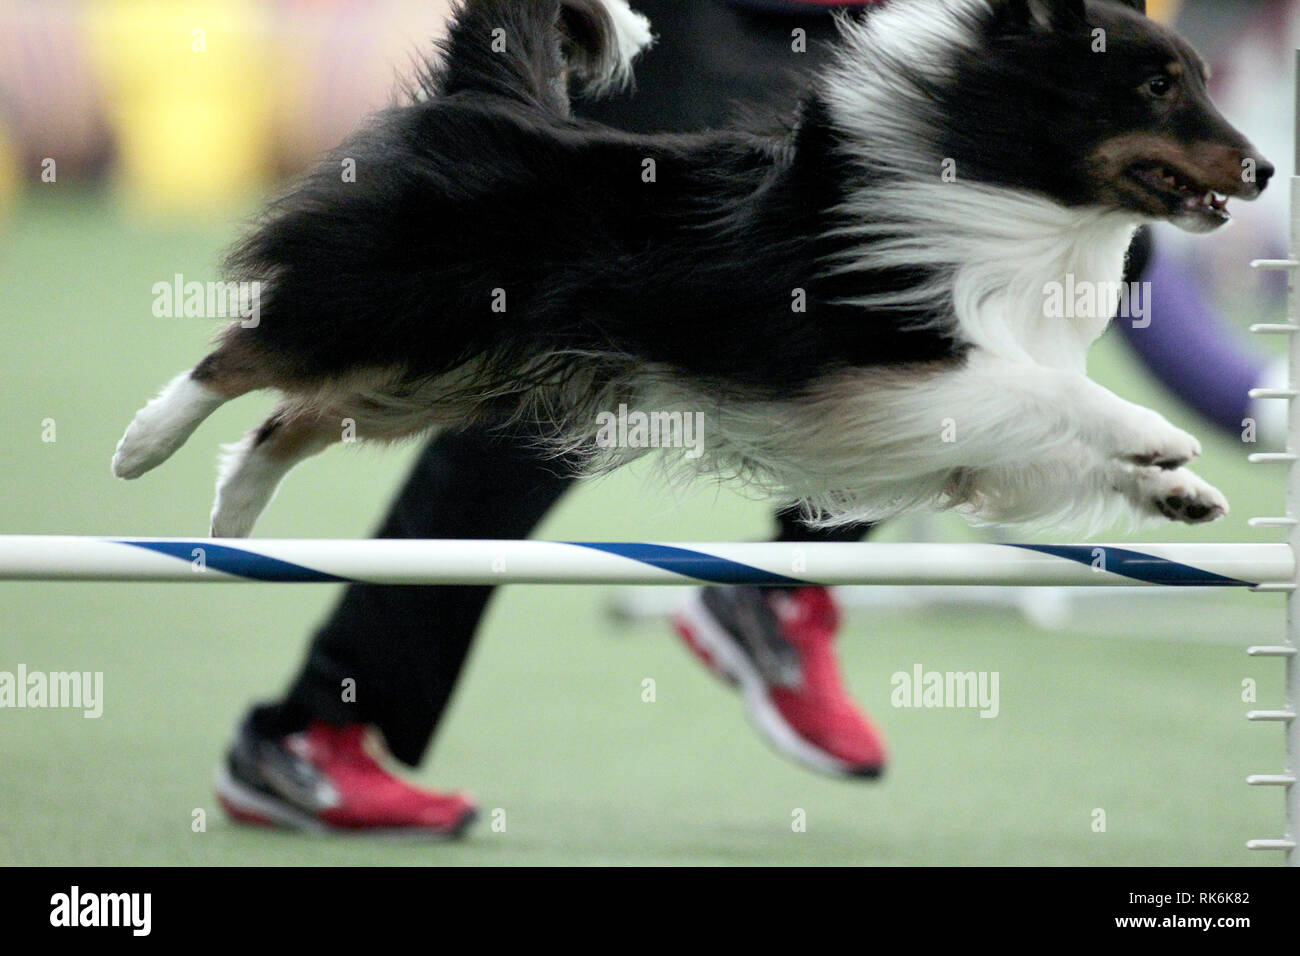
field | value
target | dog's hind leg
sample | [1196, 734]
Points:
[254, 467]
[165, 424]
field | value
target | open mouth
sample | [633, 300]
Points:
[1180, 195]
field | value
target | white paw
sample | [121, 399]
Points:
[1147, 438]
[1181, 495]
[141, 449]
[248, 481]
[233, 518]
[163, 426]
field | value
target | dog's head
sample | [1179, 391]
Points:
[1093, 103]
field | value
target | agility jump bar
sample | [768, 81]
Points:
[305, 560]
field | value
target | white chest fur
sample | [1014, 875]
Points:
[1043, 283]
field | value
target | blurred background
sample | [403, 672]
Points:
[136, 138]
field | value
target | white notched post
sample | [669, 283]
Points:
[1292, 834]
[1289, 651]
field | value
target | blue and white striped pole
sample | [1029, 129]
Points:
[71, 558]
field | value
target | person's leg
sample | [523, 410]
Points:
[790, 527]
[467, 485]
[389, 657]
[471, 485]
[404, 646]
[777, 646]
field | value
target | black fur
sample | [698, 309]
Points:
[1037, 103]
[486, 183]
[826, 274]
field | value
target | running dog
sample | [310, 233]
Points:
[855, 297]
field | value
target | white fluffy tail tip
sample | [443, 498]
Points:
[632, 35]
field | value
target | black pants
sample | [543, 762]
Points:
[405, 645]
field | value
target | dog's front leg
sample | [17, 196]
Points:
[1073, 483]
[1101, 445]
[1068, 405]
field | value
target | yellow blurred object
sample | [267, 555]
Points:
[189, 96]
[1163, 10]
[8, 170]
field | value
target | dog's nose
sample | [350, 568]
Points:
[1264, 171]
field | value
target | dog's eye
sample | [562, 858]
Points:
[1160, 85]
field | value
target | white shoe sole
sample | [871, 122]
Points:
[276, 813]
[247, 800]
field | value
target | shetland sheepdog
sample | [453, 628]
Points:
[855, 297]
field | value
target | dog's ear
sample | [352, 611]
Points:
[1016, 15]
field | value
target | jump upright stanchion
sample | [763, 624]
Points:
[1289, 649]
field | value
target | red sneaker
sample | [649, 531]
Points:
[778, 647]
[324, 779]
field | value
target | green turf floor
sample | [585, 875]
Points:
[1134, 709]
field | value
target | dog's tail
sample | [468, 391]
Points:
[533, 48]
